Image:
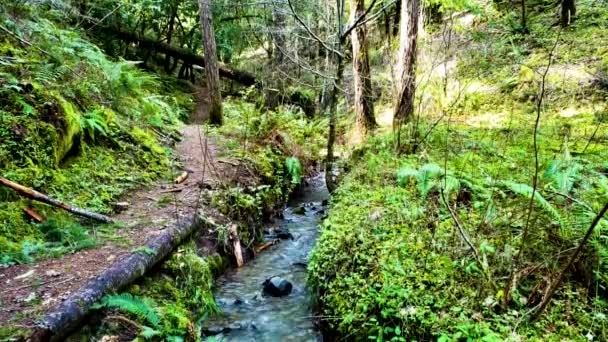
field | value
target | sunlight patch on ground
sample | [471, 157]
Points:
[487, 120]
[384, 117]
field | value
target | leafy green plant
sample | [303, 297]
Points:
[94, 123]
[526, 191]
[143, 308]
[294, 169]
[429, 177]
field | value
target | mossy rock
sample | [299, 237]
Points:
[69, 132]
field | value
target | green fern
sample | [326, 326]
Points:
[526, 191]
[143, 308]
[429, 177]
[93, 123]
[294, 169]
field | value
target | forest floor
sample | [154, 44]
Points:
[29, 290]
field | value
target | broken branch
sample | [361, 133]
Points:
[37, 196]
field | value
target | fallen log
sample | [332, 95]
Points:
[184, 55]
[37, 196]
[66, 316]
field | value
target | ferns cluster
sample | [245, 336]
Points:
[430, 177]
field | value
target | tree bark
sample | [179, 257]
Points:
[37, 196]
[279, 34]
[333, 102]
[364, 104]
[65, 317]
[170, 36]
[406, 66]
[213, 76]
[397, 21]
[568, 12]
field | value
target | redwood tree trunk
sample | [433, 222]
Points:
[213, 75]
[364, 105]
[406, 65]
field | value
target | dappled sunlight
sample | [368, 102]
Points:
[487, 120]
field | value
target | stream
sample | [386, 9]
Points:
[248, 314]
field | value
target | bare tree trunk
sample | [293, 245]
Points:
[364, 104]
[397, 21]
[279, 33]
[406, 66]
[523, 16]
[170, 36]
[213, 75]
[568, 11]
[333, 102]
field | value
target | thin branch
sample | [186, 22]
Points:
[23, 40]
[357, 21]
[461, 231]
[526, 230]
[557, 282]
[312, 34]
[105, 17]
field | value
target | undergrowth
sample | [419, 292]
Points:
[392, 264]
[273, 151]
[75, 125]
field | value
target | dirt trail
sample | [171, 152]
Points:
[28, 291]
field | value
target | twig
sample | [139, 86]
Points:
[526, 230]
[105, 17]
[37, 284]
[357, 22]
[23, 40]
[560, 277]
[312, 34]
[461, 231]
[123, 319]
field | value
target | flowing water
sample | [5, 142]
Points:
[248, 315]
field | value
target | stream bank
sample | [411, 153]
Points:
[248, 314]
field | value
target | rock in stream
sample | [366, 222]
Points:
[277, 287]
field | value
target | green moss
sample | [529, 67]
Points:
[69, 134]
[146, 139]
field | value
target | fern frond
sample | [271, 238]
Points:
[405, 174]
[294, 169]
[450, 184]
[526, 191]
[143, 308]
[427, 177]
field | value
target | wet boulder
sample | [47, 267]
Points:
[300, 211]
[277, 287]
[283, 233]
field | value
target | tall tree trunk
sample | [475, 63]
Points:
[523, 16]
[406, 66]
[397, 21]
[333, 101]
[211, 64]
[170, 36]
[279, 33]
[568, 11]
[364, 104]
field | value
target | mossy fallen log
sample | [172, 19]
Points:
[66, 316]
